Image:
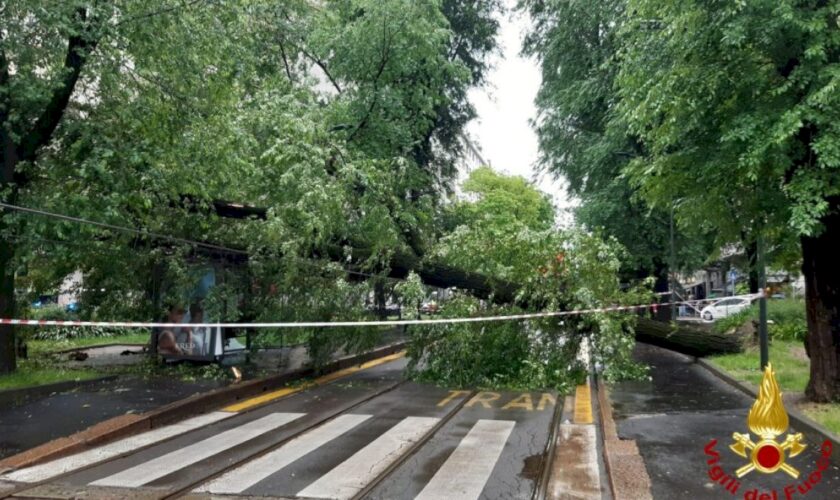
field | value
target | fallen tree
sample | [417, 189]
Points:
[401, 263]
[693, 339]
[696, 340]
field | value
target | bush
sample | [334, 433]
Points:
[787, 319]
[55, 312]
[52, 312]
[729, 323]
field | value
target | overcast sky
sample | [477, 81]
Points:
[502, 130]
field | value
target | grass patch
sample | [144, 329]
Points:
[826, 414]
[41, 368]
[792, 372]
[31, 373]
[40, 347]
[788, 359]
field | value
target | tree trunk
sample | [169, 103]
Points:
[8, 193]
[696, 340]
[822, 302]
[751, 251]
[7, 303]
[402, 262]
[8, 347]
[379, 299]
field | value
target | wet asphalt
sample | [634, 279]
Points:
[26, 422]
[388, 398]
[675, 415]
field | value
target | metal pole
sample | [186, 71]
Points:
[671, 280]
[762, 305]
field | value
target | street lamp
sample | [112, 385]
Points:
[762, 303]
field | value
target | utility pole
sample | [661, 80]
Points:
[762, 304]
[671, 267]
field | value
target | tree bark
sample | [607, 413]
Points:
[822, 302]
[8, 155]
[751, 251]
[7, 300]
[402, 262]
[695, 340]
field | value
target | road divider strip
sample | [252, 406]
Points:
[583, 404]
[336, 324]
[287, 391]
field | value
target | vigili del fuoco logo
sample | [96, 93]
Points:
[767, 420]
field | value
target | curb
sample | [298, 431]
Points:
[797, 416]
[129, 424]
[626, 471]
[98, 346]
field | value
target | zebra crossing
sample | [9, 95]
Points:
[153, 469]
[462, 476]
[465, 472]
[240, 479]
[61, 466]
[374, 436]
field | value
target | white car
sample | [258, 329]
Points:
[725, 307]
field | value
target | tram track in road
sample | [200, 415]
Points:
[188, 489]
[411, 451]
[372, 435]
[126, 450]
[541, 491]
[538, 491]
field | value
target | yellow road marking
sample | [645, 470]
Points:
[280, 393]
[583, 404]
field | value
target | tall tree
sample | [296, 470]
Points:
[311, 111]
[580, 140]
[42, 55]
[742, 98]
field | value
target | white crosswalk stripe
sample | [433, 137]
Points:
[466, 471]
[181, 458]
[242, 478]
[89, 457]
[352, 475]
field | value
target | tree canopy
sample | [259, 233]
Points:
[725, 112]
[140, 114]
[582, 141]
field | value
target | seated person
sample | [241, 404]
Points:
[167, 337]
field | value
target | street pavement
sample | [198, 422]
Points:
[368, 435]
[26, 422]
[675, 416]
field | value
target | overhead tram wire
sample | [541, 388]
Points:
[123, 229]
[174, 239]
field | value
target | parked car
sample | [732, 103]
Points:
[44, 300]
[725, 307]
[429, 308]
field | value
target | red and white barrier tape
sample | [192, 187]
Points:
[326, 324]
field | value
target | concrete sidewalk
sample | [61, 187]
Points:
[676, 415]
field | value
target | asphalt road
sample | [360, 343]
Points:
[27, 422]
[368, 435]
[676, 415]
